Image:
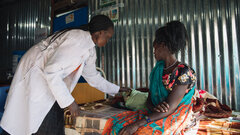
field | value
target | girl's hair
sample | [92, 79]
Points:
[174, 35]
[97, 23]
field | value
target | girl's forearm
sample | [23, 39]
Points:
[154, 117]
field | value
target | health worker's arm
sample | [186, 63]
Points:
[94, 78]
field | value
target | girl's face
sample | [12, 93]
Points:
[103, 36]
[160, 51]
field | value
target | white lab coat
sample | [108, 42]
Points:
[45, 75]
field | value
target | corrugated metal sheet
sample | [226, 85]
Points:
[213, 27]
[18, 24]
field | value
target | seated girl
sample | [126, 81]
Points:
[171, 90]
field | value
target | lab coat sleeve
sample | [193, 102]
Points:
[59, 66]
[58, 87]
[94, 78]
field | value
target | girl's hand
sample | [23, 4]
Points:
[162, 107]
[129, 130]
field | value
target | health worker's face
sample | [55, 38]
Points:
[103, 36]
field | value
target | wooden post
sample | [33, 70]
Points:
[52, 16]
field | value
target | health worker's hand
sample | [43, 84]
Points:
[74, 109]
[125, 89]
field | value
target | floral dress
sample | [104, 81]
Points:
[174, 123]
[181, 75]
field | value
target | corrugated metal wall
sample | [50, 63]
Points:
[18, 24]
[213, 27]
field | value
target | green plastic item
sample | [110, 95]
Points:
[136, 100]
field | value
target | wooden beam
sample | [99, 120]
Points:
[65, 3]
[62, 4]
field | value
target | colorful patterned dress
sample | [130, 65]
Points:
[170, 125]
